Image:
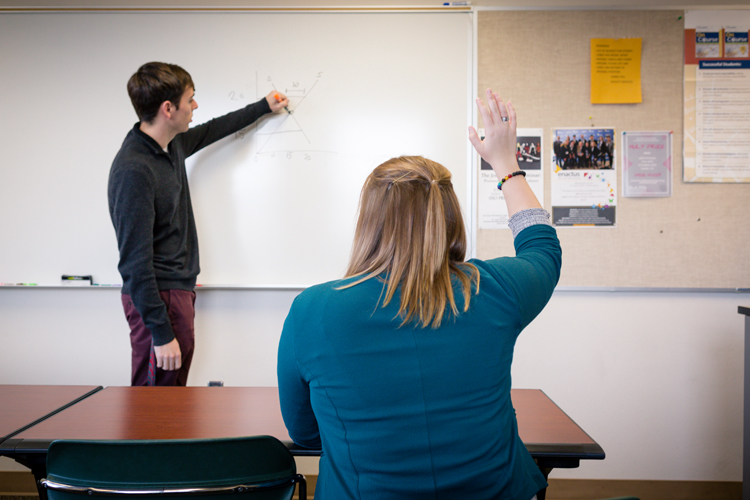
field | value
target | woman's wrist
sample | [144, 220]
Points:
[517, 173]
[504, 168]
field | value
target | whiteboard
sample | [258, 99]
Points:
[275, 205]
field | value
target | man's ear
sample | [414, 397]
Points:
[167, 108]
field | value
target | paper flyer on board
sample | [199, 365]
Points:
[616, 70]
[717, 97]
[584, 179]
[646, 164]
[492, 212]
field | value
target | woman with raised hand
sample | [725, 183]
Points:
[400, 372]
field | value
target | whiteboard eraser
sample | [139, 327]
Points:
[70, 280]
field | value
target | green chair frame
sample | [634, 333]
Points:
[257, 467]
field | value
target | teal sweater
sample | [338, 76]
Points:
[416, 413]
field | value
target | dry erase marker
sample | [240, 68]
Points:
[278, 99]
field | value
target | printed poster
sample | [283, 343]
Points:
[492, 212]
[584, 179]
[717, 96]
[646, 164]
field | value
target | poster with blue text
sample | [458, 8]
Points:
[717, 96]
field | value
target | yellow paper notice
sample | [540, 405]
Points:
[615, 71]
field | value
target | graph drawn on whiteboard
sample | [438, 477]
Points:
[287, 134]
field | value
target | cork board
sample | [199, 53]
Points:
[697, 238]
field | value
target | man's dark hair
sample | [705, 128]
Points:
[154, 83]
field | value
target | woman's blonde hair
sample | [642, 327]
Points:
[411, 231]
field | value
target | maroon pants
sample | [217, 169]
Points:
[181, 308]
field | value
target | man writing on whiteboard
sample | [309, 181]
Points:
[149, 203]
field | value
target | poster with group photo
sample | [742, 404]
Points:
[492, 211]
[584, 177]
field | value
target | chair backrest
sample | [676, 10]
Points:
[260, 467]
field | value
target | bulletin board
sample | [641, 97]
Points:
[697, 238]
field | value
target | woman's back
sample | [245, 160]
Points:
[416, 412]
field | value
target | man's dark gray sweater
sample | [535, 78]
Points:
[149, 202]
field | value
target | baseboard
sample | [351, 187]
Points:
[17, 483]
[20, 485]
[597, 489]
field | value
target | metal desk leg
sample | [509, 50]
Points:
[542, 494]
[547, 464]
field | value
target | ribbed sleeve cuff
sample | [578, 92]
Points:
[525, 218]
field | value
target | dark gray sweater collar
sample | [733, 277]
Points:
[147, 139]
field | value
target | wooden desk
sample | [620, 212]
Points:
[552, 438]
[161, 413]
[550, 435]
[212, 412]
[22, 406]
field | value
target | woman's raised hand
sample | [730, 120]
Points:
[499, 150]
[499, 145]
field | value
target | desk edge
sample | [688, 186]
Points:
[53, 412]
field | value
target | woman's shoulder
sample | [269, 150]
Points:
[317, 290]
[324, 291]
